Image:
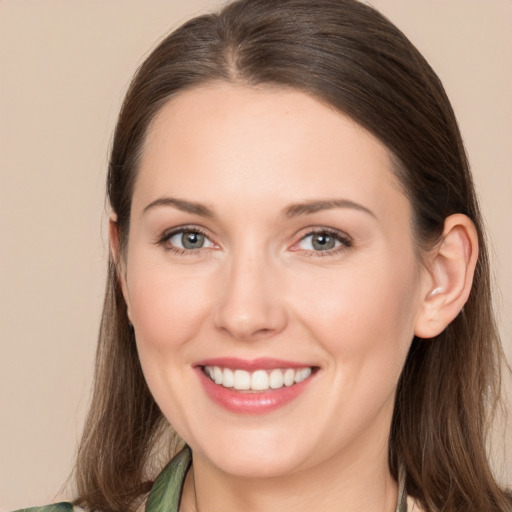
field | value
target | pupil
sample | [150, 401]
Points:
[192, 240]
[323, 242]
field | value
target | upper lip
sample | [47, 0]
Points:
[261, 363]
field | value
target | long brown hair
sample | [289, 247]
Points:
[351, 57]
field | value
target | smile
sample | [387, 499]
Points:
[258, 380]
[254, 387]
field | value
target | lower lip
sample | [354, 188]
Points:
[256, 402]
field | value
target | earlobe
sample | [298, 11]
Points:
[115, 251]
[448, 277]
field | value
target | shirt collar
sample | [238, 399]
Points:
[166, 491]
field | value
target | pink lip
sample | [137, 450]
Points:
[247, 402]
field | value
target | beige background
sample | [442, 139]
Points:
[64, 66]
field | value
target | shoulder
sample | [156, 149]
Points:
[57, 507]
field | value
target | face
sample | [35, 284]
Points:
[271, 279]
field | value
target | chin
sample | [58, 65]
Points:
[263, 457]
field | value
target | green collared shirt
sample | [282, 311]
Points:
[165, 494]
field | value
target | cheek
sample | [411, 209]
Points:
[365, 314]
[168, 306]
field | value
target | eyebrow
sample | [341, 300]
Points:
[183, 205]
[309, 207]
[294, 210]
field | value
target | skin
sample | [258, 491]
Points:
[259, 288]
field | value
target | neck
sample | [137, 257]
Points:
[340, 483]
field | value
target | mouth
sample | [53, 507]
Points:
[254, 387]
[258, 380]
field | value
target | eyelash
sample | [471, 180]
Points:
[345, 241]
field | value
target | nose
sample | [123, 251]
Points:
[251, 305]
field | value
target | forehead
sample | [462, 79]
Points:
[261, 142]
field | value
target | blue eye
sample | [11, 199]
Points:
[188, 239]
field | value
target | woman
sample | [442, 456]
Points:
[299, 281]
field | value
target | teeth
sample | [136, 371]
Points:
[217, 375]
[302, 374]
[259, 380]
[242, 380]
[228, 379]
[289, 377]
[276, 379]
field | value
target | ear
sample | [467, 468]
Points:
[115, 252]
[448, 277]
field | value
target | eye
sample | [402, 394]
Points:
[187, 240]
[324, 241]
